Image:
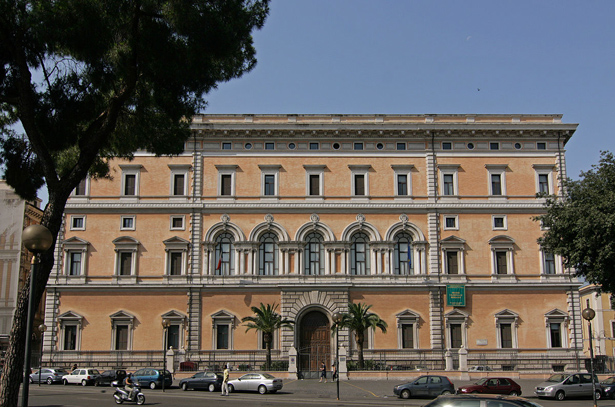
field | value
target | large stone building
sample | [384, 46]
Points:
[427, 218]
[16, 214]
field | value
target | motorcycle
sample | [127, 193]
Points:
[122, 394]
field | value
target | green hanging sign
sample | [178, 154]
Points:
[455, 295]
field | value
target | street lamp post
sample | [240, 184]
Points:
[37, 239]
[41, 328]
[588, 315]
[337, 318]
[165, 326]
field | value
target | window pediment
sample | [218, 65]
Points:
[75, 241]
[70, 316]
[408, 316]
[122, 315]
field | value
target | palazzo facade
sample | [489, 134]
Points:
[427, 218]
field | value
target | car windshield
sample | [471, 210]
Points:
[94, 371]
[557, 378]
[482, 381]
[610, 380]
[268, 376]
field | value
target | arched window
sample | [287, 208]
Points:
[314, 254]
[268, 254]
[403, 255]
[224, 254]
[359, 254]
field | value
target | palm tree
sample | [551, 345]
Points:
[358, 319]
[267, 321]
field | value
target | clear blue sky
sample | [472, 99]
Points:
[421, 57]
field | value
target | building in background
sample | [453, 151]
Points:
[16, 214]
[603, 327]
[427, 218]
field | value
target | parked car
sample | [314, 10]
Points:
[152, 378]
[565, 385]
[492, 385]
[425, 386]
[260, 382]
[108, 376]
[480, 368]
[480, 400]
[202, 380]
[608, 387]
[48, 375]
[83, 376]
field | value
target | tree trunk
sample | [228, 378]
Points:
[12, 374]
[360, 338]
[268, 338]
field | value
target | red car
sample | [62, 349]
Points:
[492, 385]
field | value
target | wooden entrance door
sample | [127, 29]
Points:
[315, 341]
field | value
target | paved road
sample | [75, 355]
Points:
[296, 393]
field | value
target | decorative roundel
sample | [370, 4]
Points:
[248, 146]
[336, 146]
[291, 146]
[379, 146]
[470, 146]
[518, 146]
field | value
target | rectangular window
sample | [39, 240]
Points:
[447, 146]
[121, 337]
[314, 188]
[269, 184]
[452, 262]
[501, 263]
[494, 146]
[456, 339]
[359, 185]
[173, 336]
[314, 146]
[74, 267]
[543, 183]
[225, 184]
[555, 332]
[77, 223]
[449, 186]
[226, 146]
[541, 146]
[127, 223]
[549, 263]
[499, 222]
[179, 184]
[175, 263]
[496, 184]
[402, 184]
[81, 188]
[401, 146]
[70, 337]
[125, 268]
[407, 336]
[222, 336]
[358, 146]
[130, 184]
[269, 146]
[506, 336]
[177, 223]
[450, 223]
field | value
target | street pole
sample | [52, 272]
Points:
[37, 239]
[337, 318]
[588, 315]
[165, 327]
[41, 328]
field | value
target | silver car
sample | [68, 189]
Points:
[260, 382]
[48, 375]
[564, 385]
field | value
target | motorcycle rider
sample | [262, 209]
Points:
[129, 386]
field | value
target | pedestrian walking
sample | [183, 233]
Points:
[323, 372]
[225, 381]
[334, 372]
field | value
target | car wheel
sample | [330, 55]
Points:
[65, 382]
[152, 385]
[405, 394]
[49, 381]
[560, 395]
[446, 392]
[84, 382]
[598, 394]
[231, 388]
[262, 389]
[474, 392]
[184, 386]
[212, 387]
[514, 393]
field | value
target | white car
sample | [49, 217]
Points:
[83, 376]
[480, 368]
[260, 382]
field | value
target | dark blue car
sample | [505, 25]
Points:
[152, 378]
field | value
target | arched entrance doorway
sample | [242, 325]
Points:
[314, 343]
